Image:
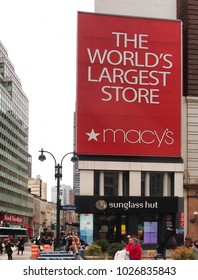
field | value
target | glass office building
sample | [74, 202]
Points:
[15, 203]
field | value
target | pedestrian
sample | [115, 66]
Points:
[171, 242]
[49, 241]
[121, 255]
[20, 245]
[37, 241]
[134, 249]
[188, 241]
[43, 240]
[64, 240]
[68, 243]
[161, 249]
[1, 246]
[75, 246]
[195, 248]
[129, 244]
[8, 249]
[161, 246]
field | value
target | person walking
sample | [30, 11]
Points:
[134, 249]
[188, 241]
[8, 249]
[1, 246]
[195, 248]
[20, 245]
[64, 240]
[49, 241]
[161, 249]
[129, 244]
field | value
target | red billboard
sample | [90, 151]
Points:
[128, 86]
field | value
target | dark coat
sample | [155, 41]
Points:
[8, 248]
[161, 247]
[20, 245]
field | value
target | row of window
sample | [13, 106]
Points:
[156, 185]
[13, 184]
[17, 208]
[7, 116]
[16, 145]
[12, 167]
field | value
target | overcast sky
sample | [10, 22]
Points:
[40, 37]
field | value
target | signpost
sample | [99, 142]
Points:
[67, 207]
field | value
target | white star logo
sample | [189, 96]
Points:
[92, 135]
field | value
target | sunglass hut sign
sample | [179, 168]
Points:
[102, 205]
[129, 74]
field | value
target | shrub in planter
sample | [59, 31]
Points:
[113, 248]
[183, 253]
[103, 243]
[93, 250]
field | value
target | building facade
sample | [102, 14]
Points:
[16, 206]
[44, 217]
[66, 195]
[127, 194]
[187, 11]
[38, 187]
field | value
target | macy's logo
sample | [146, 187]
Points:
[132, 136]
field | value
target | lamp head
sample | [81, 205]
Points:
[42, 157]
[74, 158]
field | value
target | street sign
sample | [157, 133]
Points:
[68, 207]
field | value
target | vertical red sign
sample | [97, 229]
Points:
[128, 86]
[182, 219]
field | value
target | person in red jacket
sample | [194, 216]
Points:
[134, 249]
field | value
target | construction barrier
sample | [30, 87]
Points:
[47, 248]
[34, 251]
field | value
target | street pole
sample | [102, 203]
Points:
[58, 176]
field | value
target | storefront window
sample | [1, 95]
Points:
[148, 228]
[150, 232]
[107, 227]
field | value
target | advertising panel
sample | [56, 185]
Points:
[86, 228]
[128, 86]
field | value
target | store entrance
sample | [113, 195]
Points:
[110, 227]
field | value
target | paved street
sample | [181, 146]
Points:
[26, 254]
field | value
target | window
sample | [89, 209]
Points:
[125, 184]
[156, 184]
[150, 232]
[143, 175]
[111, 183]
[96, 182]
[170, 184]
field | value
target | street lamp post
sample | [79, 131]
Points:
[58, 176]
